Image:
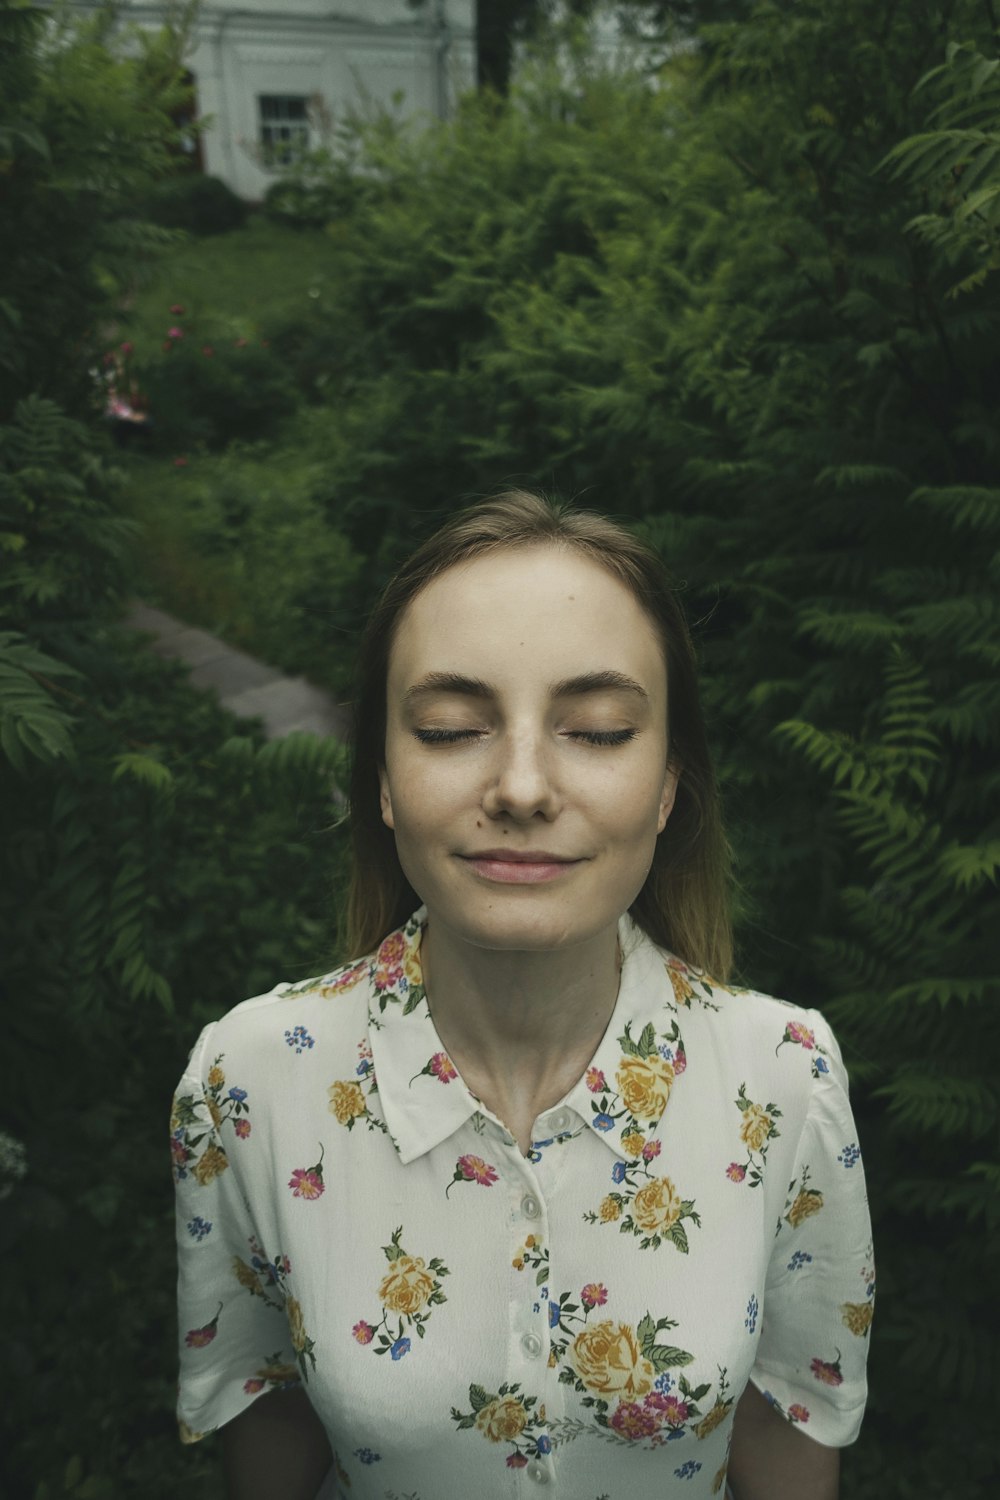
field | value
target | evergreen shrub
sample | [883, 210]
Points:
[196, 203]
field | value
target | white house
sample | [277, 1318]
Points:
[268, 73]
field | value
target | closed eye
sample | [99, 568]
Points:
[603, 736]
[445, 736]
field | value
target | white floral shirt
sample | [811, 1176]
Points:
[469, 1321]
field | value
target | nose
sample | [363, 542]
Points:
[522, 781]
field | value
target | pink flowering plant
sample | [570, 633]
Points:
[307, 1182]
[800, 1035]
[472, 1169]
[439, 1066]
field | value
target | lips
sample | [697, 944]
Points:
[518, 866]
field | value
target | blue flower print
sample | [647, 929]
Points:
[399, 1348]
[849, 1155]
[300, 1040]
[667, 1053]
[198, 1227]
[618, 1172]
[237, 1095]
[367, 1456]
[688, 1470]
[799, 1259]
[821, 1065]
[544, 1445]
[770, 1398]
[554, 1311]
[750, 1321]
[664, 1384]
[603, 1122]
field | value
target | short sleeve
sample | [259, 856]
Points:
[233, 1329]
[819, 1295]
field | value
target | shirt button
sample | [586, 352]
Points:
[532, 1345]
[559, 1122]
[530, 1206]
[539, 1473]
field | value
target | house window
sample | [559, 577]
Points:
[284, 127]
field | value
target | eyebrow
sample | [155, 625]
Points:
[569, 687]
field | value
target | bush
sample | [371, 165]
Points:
[196, 203]
[212, 393]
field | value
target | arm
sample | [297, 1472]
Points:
[771, 1460]
[277, 1449]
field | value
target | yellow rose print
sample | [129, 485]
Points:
[347, 1102]
[806, 1203]
[756, 1127]
[857, 1316]
[409, 1291]
[683, 993]
[296, 1327]
[644, 1084]
[712, 1418]
[657, 1206]
[209, 1165]
[408, 1286]
[609, 1210]
[607, 1359]
[216, 1077]
[633, 1142]
[502, 1420]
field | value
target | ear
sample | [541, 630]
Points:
[385, 800]
[670, 781]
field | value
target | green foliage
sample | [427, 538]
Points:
[84, 129]
[195, 203]
[209, 394]
[241, 542]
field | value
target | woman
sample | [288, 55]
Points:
[524, 1200]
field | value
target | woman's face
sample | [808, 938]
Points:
[526, 773]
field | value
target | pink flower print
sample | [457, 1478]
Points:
[680, 1060]
[796, 1032]
[242, 1128]
[651, 1149]
[516, 1461]
[798, 1413]
[634, 1421]
[596, 1081]
[175, 332]
[594, 1294]
[675, 1411]
[472, 1169]
[251, 1387]
[827, 1370]
[176, 310]
[735, 1172]
[442, 1067]
[197, 1338]
[363, 1332]
[307, 1182]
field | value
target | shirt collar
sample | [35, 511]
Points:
[621, 1097]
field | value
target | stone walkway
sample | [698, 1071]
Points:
[242, 684]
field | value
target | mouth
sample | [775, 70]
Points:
[519, 867]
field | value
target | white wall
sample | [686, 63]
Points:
[345, 53]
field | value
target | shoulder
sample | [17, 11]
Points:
[780, 1044]
[293, 1017]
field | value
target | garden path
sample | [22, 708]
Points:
[247, 687]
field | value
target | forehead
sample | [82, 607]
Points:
[542, 610]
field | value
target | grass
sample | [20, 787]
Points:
[232, 284]
[238, 540]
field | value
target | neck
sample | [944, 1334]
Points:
[521, 1026]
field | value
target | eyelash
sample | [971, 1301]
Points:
[588, 736]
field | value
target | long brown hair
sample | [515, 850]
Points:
[684, 903]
